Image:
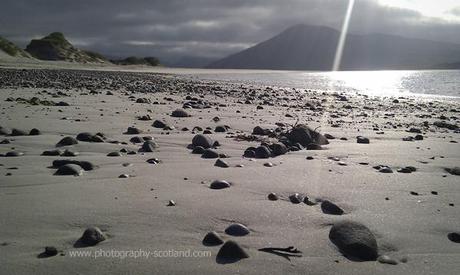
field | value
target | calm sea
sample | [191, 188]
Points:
[445, 83]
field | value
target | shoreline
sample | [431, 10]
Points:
[233, 77]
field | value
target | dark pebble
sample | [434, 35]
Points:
[212, 238]
[273, 197]
[454, 237]
[330, 208]
[92, 236]
[210, 154]
[231, 252]
[69, 170]
[221, 163]
[219, 184]
[237, 229]
[66, 142]
[362, 140]
[354, 240]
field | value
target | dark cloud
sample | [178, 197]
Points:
[171, 29]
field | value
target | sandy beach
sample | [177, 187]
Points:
[148, 189]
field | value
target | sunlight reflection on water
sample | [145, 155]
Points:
[378, 83]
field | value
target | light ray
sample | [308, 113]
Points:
[343, 36]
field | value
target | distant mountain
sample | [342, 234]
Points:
[191, 62]
[11, 49]
[305, 47]
[132, 60]
[56, 47]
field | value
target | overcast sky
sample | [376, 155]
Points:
[171, 29]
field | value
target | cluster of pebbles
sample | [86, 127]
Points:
[353, 239]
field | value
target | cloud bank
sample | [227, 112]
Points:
[201, 28]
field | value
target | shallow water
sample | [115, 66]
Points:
[377, 83]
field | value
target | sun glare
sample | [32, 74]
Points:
[343, 36]
[439, 9]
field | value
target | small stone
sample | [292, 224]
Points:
[248, 153]
[279, 149]
[133, 131]
[404, 170]
[85, 136]
[212, 238]
[14, 154]
[50, 251]
[66, 142]
[308, 202]
[415, 130]
[17, 132]
[52, 153]
[296, 198]
[231, 251]
[34, 132]
[114, 154]
[92, 236]
[221, 163]
[453, 171]
[198, 150]
[153, 161]
[159, 124]
[69, 170]
[4, 131]
[330, 208]
[384, 259]
[385, 169]
[354, 240]
[262, 152]
[62, 104]
[454, 237]
[210, 154]
[123, 176]
[268, 164]
[86, 165]
[362, 140]
[313, 146]
[237, 229]
[136, 139]
[404, 259]
[171, 203]
[179, 113]
[260, 131]
[149, 146]
[69, 153]
[203, 141]
[273, 197]
[219, 184]
[220, 129]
